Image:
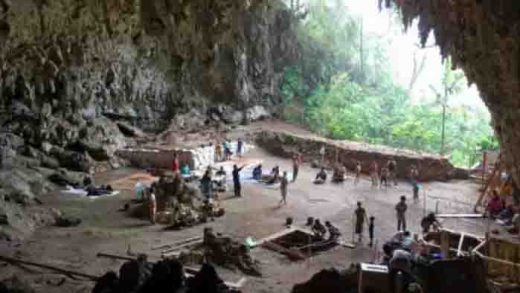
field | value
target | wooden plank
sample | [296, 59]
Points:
[171, 254]
[179, 247]
[233, 285]
[445, 244]
[274, 236]
[114, 256]
[282, 233]
[476, 216]
[347, 244]
[461, 240]
[49, 267]
[176, 243]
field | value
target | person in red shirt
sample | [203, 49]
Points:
[495, 205]
[175, 164]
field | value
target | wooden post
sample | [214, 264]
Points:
[445, 244]
[461, 240]
[484, 167]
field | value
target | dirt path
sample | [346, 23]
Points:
[257, 214]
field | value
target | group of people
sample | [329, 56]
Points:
[382, 176]
[319, 230]
[361, 217]
[339, 174]
[223, 150]
[503, 208]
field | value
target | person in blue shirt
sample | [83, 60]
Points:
[257, 172]
[236, 180]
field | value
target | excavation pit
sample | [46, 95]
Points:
[298, 244]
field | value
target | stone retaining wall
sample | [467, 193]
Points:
[156, 158]
[431, 167]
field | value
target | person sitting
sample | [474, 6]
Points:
[185, 171]
[407, 240]
[140, 191]
[430, 221]
[220, 179]
[274, 177]
[87, 181]
[98, 191]
[221, 172]
[257, 172]
[505, 217]
[321, 177]
[334, 233]
[318, 229]
[339, 174]
[495, 205]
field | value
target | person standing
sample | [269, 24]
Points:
[392, 170]
[227, 150]
[400, 209]
[361, 215]
[371, 230]
[415, 191]
[414, 174]
[384, 177]
[236, 180]
[207, 184]
[358, 173]
[240, 147]
[218, 152]
[152, 205]
[374, 171]
[175, 164]
[284, 182]
[297, 160]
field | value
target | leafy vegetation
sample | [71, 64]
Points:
[342, 88]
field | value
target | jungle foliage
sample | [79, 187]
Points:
[342, 87]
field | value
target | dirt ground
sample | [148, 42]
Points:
[256, 214]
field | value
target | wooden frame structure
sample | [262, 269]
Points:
[500, 255]
[492, 182]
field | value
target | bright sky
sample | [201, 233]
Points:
[402, 49]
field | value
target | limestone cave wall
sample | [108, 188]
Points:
[69, 66]
[81, 78]
[483, 38]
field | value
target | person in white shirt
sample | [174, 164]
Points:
[152, 205]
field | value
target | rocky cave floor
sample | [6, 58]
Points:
[105, 229]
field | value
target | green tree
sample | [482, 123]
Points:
[451, 84]
[342, 87]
